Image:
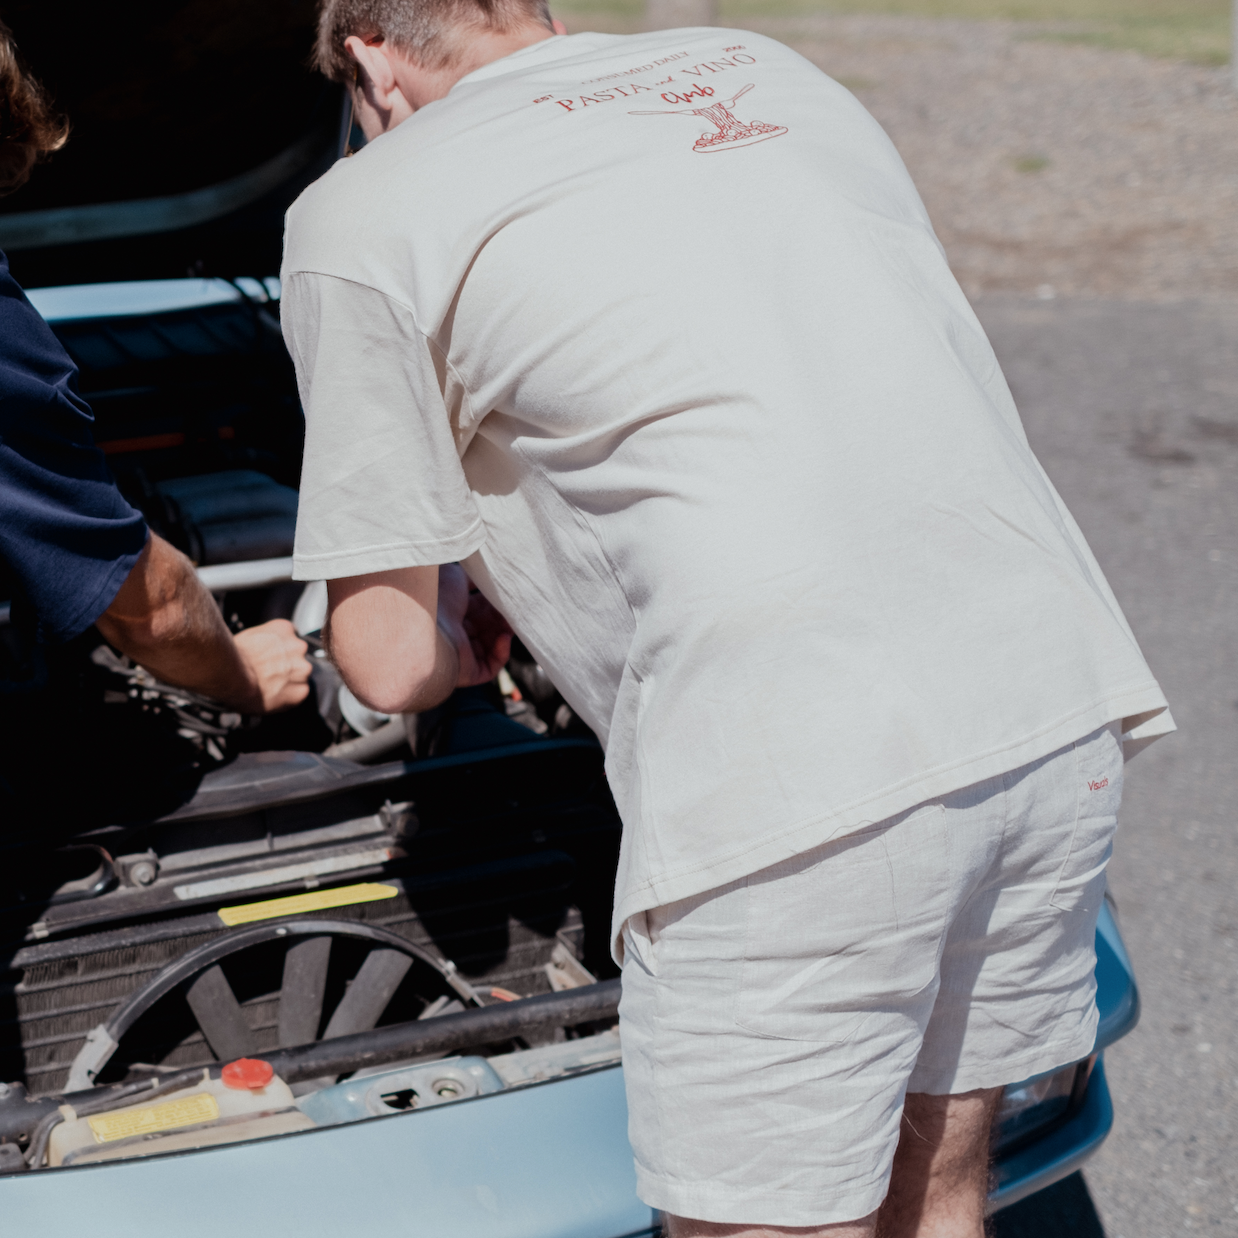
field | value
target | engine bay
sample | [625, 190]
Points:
[373, 914]
[381, 939]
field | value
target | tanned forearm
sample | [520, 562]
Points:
[165, 620]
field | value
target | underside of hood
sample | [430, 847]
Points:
[194, 125]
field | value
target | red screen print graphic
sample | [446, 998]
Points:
[730, 132]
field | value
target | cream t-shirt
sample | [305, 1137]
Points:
[654, 333]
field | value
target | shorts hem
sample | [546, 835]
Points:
[708, 1202]
[1002, 1072]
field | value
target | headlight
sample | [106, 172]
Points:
[1033, 1107]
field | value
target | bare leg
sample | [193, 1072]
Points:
[941, 1168]
[682, 1227]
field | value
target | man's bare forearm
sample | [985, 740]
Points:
[165, 620]
[404, 640]
[384, 635]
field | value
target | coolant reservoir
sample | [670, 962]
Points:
[247, 1102]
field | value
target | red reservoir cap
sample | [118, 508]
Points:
[247, 1072]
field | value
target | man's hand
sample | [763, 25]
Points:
[165, 620]
[274, 658]
[404, 640]
[482, 637]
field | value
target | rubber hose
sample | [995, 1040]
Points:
[445, 1033]
[378, 743]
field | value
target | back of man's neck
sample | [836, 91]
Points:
[480, 48]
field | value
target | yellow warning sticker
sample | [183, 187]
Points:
[314, 900]
[127, 1123]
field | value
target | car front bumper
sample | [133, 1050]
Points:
[548, 1160]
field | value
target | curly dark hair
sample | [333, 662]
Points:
[30, 129]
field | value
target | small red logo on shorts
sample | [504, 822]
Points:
[1096, 786]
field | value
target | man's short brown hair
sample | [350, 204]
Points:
[423, 30]
[29, 128]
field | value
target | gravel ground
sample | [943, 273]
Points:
[1133, 409]
[1049, 166]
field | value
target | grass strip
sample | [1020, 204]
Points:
[1192, 30]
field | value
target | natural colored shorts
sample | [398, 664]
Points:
[771, 1027]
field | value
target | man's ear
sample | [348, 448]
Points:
[559, 27]
[373, 64]
[378, 94]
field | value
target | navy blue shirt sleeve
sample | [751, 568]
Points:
[66, 532]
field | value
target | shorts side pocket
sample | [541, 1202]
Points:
[638, 948]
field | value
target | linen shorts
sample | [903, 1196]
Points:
[771, 1027]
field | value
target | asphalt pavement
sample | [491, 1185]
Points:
[1133, 410]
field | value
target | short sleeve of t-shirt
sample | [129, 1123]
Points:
[66, 533]
[382, 486]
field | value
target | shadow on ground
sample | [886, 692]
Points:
[1064, 1210]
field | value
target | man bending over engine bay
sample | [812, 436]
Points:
[653, 335]
[70, 545]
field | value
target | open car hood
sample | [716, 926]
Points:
[194, 126]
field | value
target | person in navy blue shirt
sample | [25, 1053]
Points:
[66, 534]
[80, 555]
[73, 552]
